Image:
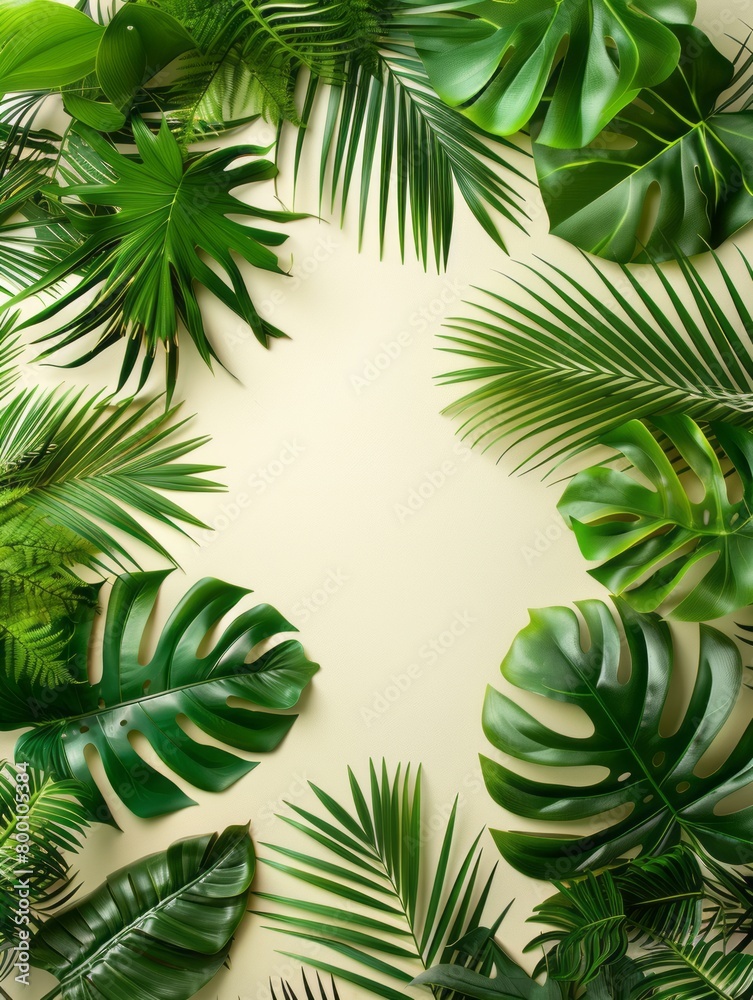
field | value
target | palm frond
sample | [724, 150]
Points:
[590, 928]
[429, 147]
[287, 992]
[700, 970]
[571, 364]
[81, 460]
[10, 349]
[388, 925]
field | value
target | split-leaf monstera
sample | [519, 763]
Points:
[650, 796]
[141, 247]
[648, 538]
[676, 142]
[178, 681]
[494, 60]
[158, 929]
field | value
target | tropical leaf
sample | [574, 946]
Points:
[592, 919]
[388, 924]
[492, 60]
[250, 52]
[158, 929]
[573, 364]
[38, 588]
[676, 137]
[700, 970]
[474, 980]
[386, 109]
[179, 680]
[45, 44]
[53, 816]
[591, 927]
[82, 460]
[287, 992]
[143, 253]
[650, 796]
[658, 900]
[648, 535]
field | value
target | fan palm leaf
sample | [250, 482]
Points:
[388, 924]
[572, 364]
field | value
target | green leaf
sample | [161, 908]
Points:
[493, 59]
[591, 927]
[569, 364]
[158, 929]
[647, 794]
[38, 590]
[137, 43]
[385, 120]
[674, 140]
[150, 698]
[144, 257]
[649, 534]
[45, 44]
[382, 836]
[699, 971]
[82, 461]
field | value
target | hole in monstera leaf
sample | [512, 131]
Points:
[624, 776]
[647, 799]
[682, 786]
[145, 686]
[124, 722]
[613, 142]
[658, 759]
[83, 729]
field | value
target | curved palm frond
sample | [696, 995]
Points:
[82, 460]
[388, 926]
[573, 363]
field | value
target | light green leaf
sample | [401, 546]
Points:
[649, 533]
[45, 44]
[493, 59]
[674, 143]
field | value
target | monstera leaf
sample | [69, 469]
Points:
[158, 929]
[648, 537]
[675, 139]
[178, 681]
[650, 796]
[493, 61]
[141, 246]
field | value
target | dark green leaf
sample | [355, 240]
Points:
[648, 794]
[150, 698]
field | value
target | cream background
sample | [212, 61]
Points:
[333, 512]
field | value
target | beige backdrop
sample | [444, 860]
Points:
[408, 609]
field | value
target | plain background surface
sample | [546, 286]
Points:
[322, 458]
